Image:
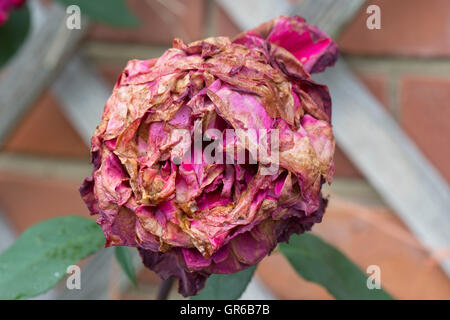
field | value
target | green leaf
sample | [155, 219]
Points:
[125, 260]
[317, 261]
[13, 33]
[41, 255]
[226, 286]
[112, 12]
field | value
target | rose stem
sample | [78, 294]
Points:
[164, 289]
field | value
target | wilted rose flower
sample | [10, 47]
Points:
[192, 219]
[6, 6]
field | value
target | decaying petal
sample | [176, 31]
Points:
[153, 185]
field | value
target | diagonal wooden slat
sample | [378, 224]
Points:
[82, 94]
[35, 66]
[329, 15]
[95, 276]
[7, 236]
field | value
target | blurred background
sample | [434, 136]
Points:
[404, 66]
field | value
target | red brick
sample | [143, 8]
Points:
[159, 25]
[26, 200]
[110, 71]
[368, 236]
[286, 284]
[45, 130]
[408, 28]
[147, 276]
[377, 84]
[343, 167]
[224, 25]
[425, 116]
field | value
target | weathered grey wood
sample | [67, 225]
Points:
[7, 236]
[250, 13]
[389, 160]
[94, 279]
[329, 15]
[256, 290]
[35, 66]
[83, 95]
